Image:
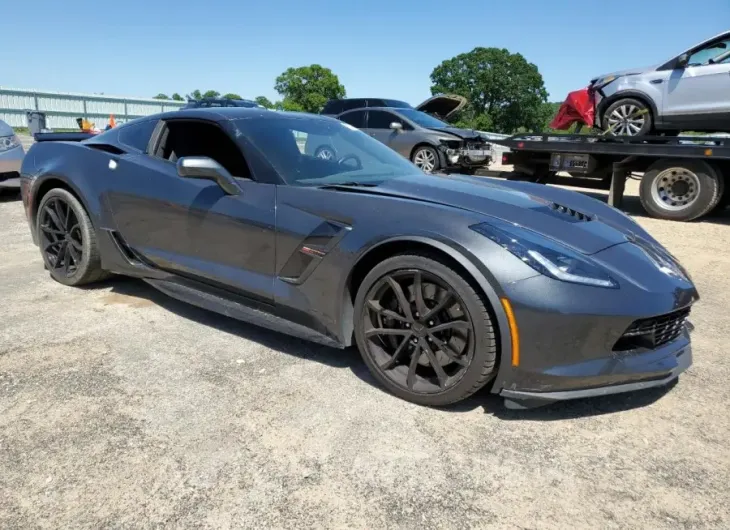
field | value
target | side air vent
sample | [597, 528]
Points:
[575, 214]
[107, 148]
[312, 250]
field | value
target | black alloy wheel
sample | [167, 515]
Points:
[61, 238]
[418, 335]
[67, 240]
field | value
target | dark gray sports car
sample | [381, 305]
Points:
[445, 283]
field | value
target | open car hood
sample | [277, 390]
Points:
[443, 106]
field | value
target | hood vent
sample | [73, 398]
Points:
[575, 214]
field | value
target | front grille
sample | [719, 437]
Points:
[650, 333]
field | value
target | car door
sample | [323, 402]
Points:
[700, 90]
[378, 126]
[192, 227]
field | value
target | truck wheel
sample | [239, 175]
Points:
[624, 118]
[680, 190]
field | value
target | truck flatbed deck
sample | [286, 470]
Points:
[683, 176]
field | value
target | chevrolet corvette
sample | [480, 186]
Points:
[445, 284]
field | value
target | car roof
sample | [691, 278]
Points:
[389, 109]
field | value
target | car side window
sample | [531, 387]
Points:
[355, 118]
[201, 138]
[379, 119]
[137, 135]
[702, 57]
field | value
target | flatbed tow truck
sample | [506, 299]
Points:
[684, 177]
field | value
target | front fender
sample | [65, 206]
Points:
[486, 281]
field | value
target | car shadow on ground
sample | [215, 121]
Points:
[564, 410]
[133, 291]
[9, 195]
[631, 205]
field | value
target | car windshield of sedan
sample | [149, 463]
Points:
[422, 119]
[314, 151]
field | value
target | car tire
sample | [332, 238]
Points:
[680, 190]
[426, 158]
[616, 112]
[472, 346]
[325, 152]
[67, 240]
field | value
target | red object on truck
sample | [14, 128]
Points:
[579, 106]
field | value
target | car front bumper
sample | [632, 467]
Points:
[578, 341]
[462, 158]
[619, 375]
[11, 160]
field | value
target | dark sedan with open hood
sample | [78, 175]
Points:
[445, 283]
[419, 134]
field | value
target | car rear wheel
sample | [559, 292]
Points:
[680, 190]
[627, 117]
[423, 331]
[67, 240]
[426, 158]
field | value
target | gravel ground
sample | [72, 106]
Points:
[122, 408]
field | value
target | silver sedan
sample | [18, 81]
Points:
[11, 156]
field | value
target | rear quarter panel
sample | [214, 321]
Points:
[82, 169]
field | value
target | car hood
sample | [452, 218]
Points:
[5, 129]
[575, 220]
[630, 71]
[465, 134]
[444, 105]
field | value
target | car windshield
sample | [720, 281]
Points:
[313, 151]
[422, 119]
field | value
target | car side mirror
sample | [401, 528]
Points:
[396, 126]
[682, 60]
[203, 167]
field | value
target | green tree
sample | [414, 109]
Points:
[231, 95]
[195, 94]
[307, 88]
[211, 94]
[505, 92]
[289, 105]
[264, 102]
[549, 111]
[161, 96]
[177, 97]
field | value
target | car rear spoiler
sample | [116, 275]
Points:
[62, 136]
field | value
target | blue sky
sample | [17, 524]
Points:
[377, 48]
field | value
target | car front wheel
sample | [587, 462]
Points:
[426, 158]
[627, 117]
[423, 331]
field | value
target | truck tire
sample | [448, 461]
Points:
[723, 173]
[680, 190]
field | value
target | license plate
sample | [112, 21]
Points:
[570, 162]
[477, 152]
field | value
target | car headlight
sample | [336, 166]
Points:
[545, 256]
[8, 142]
[603, 81]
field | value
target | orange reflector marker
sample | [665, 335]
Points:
[513, 330]
[708, 152]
